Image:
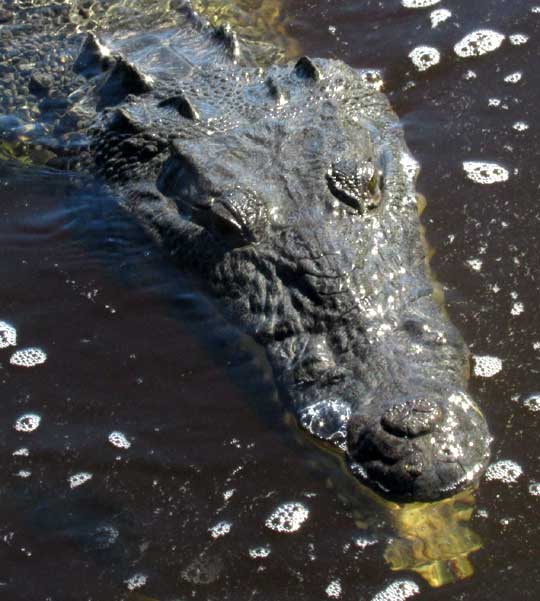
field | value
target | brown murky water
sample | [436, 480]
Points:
[161, 466]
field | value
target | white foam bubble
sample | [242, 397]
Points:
[517, 309]
[220, 529]
[497, 102]
[535, 9]
[27, 422]
[534, 489]
[475, 264]
[259, 552]
[419, 3]
[517, 39]
[28, 357]
[22, 452]
[333, 590]
[478, 42]
[288, 517]
[363, 543]
[485, 173]
[520, 126]
[118, 439]
[227, 495]
[439, 16]
[8, 335]
[23, 474]
[424, 57]
[136, 581]
[532, 402]
[398, 591]
[470, 74]
[486, 366]
[514, 77]
[506, 471]
[79, 479]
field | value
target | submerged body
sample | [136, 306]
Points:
[290, 193]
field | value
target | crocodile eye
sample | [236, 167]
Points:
[373, 184]
[358, 185]
[221, 218]
[237, 217]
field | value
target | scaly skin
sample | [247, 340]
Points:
[290, 193]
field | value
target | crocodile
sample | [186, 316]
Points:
[289, 192]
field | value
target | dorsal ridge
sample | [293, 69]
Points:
[182, 105]
[93, 58]
[226, 35]
[307, 69]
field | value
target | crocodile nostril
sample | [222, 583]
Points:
[411, 418]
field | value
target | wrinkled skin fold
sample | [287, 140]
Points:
[290, 193]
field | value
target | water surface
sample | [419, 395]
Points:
[203, 491]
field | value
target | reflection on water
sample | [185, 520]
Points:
[260, 24]
[260, 21]
[435, 539]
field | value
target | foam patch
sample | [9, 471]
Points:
[506, 471]
[259, 552]
[28, 357]
[478, 43]
[398, 591]
[8, 335]
[22, 452]
[439, 16]
[424, 57]
[475, 264]
[517, 309]
[117, 439]
[513, 77]
[518, 39]
[363, 543]
[288, 517]
[333, 590]
[220, 529]
[534, 489]
[419, 3]
[79, 479]
[27, 422]
[136, 581]
[485, 173]
[486, 366]
[532, 402]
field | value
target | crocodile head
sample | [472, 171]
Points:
[291, 193]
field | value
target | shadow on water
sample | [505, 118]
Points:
[186, 504]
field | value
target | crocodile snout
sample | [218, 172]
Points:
[420, 447]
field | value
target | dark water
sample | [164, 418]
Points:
[133, 348]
